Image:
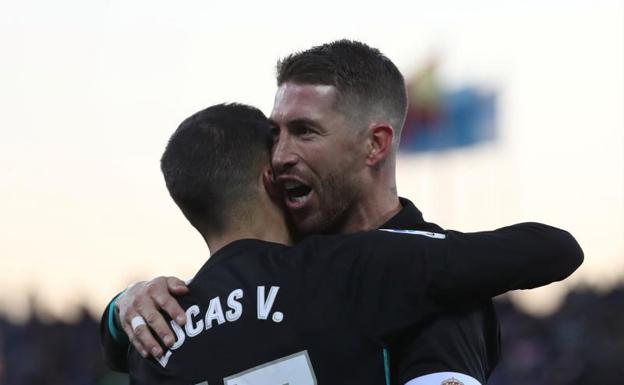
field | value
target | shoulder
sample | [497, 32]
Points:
[440, 234]
[371, 241]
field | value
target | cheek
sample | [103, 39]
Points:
[317, 157]
[339, 182]
[335, 162]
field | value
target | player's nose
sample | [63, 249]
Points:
[284, 154]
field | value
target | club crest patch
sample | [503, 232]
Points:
[452, 381]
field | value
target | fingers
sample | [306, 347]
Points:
[160, 328]
[176, 286]
[124, 314]
[146, 299]
[160, 298]
[170, 305]
[139, 337]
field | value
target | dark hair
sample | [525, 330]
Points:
[367, 81]
[212, 163]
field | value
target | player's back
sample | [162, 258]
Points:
[320, 312]
[261, 313]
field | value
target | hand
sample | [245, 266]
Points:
[146, 299]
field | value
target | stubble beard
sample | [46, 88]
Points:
[340, 194]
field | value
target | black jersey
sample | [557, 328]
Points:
[322, 311]
[465, 338]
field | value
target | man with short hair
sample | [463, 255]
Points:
[337, 118]
[259, 312]
[338, 111]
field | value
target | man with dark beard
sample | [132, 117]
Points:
[261, 312]
[337, 118]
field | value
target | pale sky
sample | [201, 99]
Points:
[91, 90]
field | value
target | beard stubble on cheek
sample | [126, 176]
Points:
[339, 194]
[336, 193]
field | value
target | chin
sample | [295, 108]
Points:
[310, 225]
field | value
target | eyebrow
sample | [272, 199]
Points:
[296, 122]
[273, 123]
[305, 122]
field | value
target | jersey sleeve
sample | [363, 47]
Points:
[114, 341]
[521, 256]
[399, 279]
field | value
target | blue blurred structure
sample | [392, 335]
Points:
[440, 119]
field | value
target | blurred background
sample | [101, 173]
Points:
[517, 113]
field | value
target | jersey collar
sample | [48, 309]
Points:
[409, 218]
[235, 248]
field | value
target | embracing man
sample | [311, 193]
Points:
[337, 117]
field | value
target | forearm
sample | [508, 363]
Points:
[522, 256]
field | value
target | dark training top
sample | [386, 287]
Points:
[322, 311]
[465, 338]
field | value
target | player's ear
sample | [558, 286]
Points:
[380, 138]
[270, 187]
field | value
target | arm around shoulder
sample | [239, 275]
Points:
[522, 256]
[563, 254]
[114, 341]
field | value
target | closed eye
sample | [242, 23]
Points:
[302, 128]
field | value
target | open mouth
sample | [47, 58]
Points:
[296, 192]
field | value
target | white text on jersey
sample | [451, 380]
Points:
[197, 323]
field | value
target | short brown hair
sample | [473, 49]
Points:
[366, 80]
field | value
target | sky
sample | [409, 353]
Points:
[91, 91]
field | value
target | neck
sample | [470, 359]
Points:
[368, 216]
[264, 221]
[376, 206]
